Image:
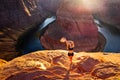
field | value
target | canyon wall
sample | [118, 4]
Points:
[16, 17]
[25, 12]
[75, 22]
[108, 12]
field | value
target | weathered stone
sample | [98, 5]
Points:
[2, 62]
[105, 70]
[42, 65]
[87, 64]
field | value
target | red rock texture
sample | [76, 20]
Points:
[34, 74]
[105, 70]
[54, 64]
[87, 64]
[2, 62]
[75, 23]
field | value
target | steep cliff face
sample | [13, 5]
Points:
[25, 12]
[50, 5]
[17, 16]
[75, 23]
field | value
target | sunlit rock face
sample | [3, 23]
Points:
[105, 70]
[55, 64]
[74, 22]
[2, 62]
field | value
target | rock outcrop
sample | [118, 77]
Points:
[2, 62]
[74, 22]
[87, 64]
[54, 64]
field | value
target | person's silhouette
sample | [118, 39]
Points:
[70, 46]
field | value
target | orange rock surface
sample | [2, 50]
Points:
[54, 64]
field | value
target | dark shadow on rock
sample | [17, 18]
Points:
[68, 73]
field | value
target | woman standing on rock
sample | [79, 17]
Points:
[70, 46]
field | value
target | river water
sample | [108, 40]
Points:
[32, 43]
[112, 38]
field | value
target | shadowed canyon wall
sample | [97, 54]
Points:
[17, 16]
[24, 12]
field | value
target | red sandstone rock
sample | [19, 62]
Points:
[75, 23]
[105, 70]
[31, 75]
[87, 64]
[40, 65]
